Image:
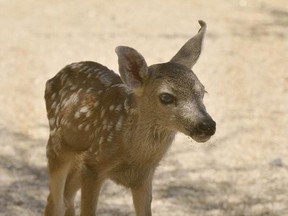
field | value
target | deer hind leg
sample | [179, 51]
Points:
[73, 184]
[91, 181]
[58, 169]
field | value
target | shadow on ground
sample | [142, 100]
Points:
[23, 183]
[215, 197]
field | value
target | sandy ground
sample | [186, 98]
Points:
[243, 170]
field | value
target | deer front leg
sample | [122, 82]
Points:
[142, 197]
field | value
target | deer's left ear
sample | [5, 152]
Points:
[190, 52]
[132, 66]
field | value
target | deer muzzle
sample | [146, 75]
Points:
[203, 129]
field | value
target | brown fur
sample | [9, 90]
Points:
[103, 128]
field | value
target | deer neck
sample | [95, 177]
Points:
[146, 140]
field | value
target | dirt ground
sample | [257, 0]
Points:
[242, 171]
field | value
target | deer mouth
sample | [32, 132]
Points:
[201, 138]
[198, 137]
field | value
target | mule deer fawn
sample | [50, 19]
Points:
[106, 127]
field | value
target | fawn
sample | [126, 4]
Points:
[103, 126]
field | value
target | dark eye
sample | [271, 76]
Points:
[166, 98]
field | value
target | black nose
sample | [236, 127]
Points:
[207, 126]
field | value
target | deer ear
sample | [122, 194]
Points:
[190, 52]
[132, 66]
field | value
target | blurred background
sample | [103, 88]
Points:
[243, 170]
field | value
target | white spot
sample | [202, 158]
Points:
[102, 113]
[64, 122]
[118, 108]
[106, 80]
[83, 109]
[48, 86]
[89, 90]
[99, 73]
[111, 107]
[80, 126]
[110, 137]
[88, 114]
[77, 115]
[57, 109]
[118, 85]
[92, 70]
[132, 111]
[57, 122]
[99, 92]
[74, 98]
[64, 76]
[53, 132]
[126, 105]
[109, 127]
[119, 123]
[96, 104]
[52, 121]
[101, 140]
[96, 155]
[69, 83]
[89, 75]
[95, 122]
[75, 65]
[73, 87]
[64, 102]
[87, 127]
[85, 69]
[53, 96]
[54, 105]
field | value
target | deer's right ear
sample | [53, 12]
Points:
[132, 66]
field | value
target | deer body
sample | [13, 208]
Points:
[102, 127]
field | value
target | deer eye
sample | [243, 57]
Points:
[166, 98]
